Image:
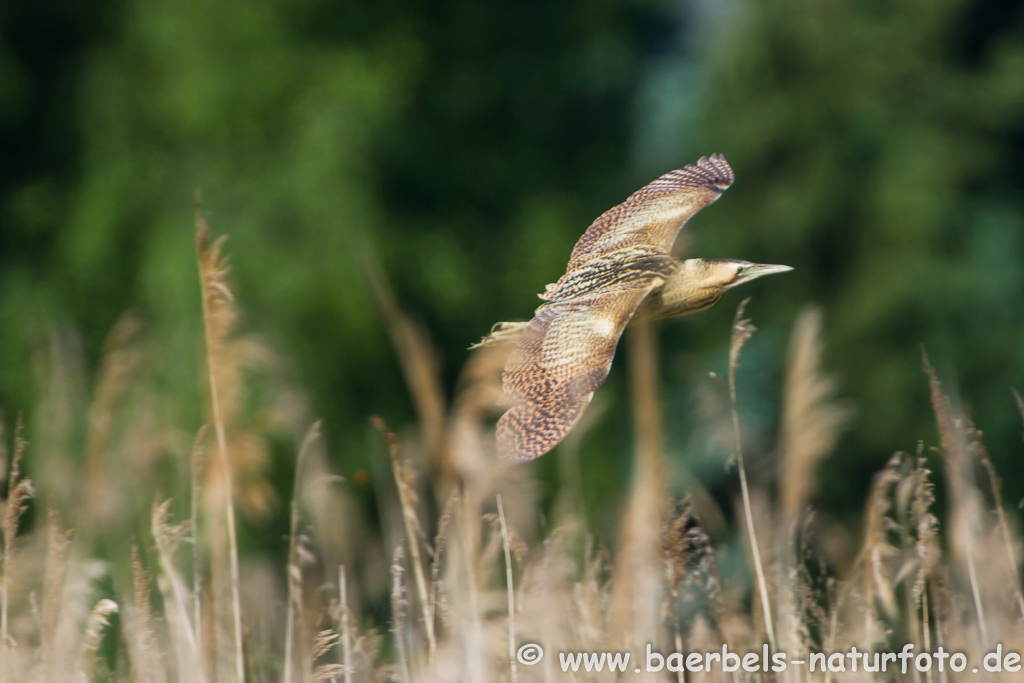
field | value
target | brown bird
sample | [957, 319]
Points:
[621, 272]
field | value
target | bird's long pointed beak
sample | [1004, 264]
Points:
[756, 270]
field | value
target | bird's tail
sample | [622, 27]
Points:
[500, 333]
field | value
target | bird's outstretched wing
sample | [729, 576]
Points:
[562, 357]
[654, 214]
[564, 354]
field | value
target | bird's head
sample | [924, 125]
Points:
[716, 276]
[724, 274]
[699, 284]
[734, 273]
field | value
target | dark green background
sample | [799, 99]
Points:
[878, 148]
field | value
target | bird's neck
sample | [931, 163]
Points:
[683, 293]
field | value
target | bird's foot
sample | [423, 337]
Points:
[502, 332]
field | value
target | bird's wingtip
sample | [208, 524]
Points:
[719, 170]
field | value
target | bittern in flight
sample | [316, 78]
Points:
[620, 273]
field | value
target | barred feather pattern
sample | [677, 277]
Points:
[654, 214]
[626, 268]
[562, 357]
[565, 353]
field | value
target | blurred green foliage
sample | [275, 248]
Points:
[879, 149]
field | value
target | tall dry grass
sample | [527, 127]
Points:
[218, 325]
[466, 569]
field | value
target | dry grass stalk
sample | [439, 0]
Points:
[996, 484]
[197, 463]
[407, 500]
[3, 447]
[966, 506]
[1020, 407]
[511, 593]
[420, 367]
[175, 593]
[636, 595]
[742, 330]
[813, 591]
[877, 549]
[294, 563]
[926, 627]
[440, 546]
[951, 432]
[468, 613]
[811, 420]
[927, 527]
[119, 362]
[97, 623]
[19, 491]
[322, 644]
[645, 392]
[346, 653]
[54, 574]
[139, 628]
[397, 610]
[218, 322]
[470, 436]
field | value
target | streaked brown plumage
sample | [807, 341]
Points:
[620, 272]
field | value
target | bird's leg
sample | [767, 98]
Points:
[502, 332]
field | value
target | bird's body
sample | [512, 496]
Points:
[620, 272]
